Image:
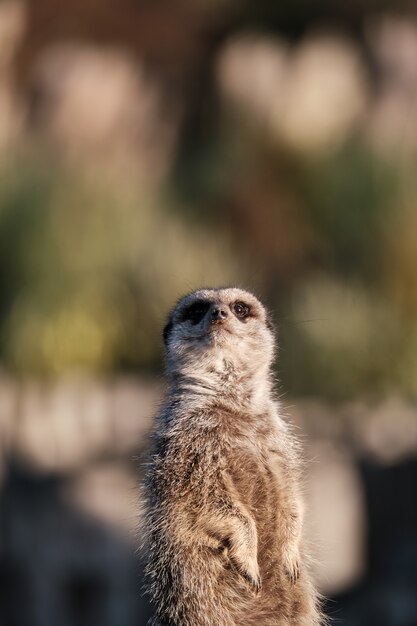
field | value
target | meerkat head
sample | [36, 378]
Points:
[211, 330]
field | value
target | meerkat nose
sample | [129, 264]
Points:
[218, 314]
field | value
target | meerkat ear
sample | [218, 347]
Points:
[167, 331]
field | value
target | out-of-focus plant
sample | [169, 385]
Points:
[286, 171]
[89, 271]
[330, 252]
[339, 339]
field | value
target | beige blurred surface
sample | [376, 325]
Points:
[92, 431]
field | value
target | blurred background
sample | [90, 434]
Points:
[148, 148]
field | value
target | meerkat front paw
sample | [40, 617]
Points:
[292, 568]
[293, 573]
[254, 582]
[249, 573]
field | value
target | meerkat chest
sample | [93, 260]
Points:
[258, 476]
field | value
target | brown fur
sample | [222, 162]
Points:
[224, 503]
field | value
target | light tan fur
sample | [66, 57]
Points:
[224, 502]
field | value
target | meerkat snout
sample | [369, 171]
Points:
[218, 314]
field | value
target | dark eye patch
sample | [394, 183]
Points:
[241, 309]
[195, 312]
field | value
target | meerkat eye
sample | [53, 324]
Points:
[241, 310]
[195, 312]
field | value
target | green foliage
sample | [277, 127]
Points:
[341, 339]
[348, 195]
[88, 270]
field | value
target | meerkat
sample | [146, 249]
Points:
[224, 517]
